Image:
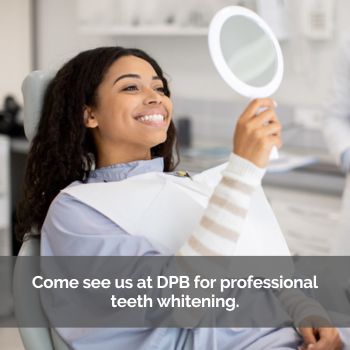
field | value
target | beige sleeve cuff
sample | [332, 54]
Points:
[244, 170]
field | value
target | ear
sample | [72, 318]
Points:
[90, 120]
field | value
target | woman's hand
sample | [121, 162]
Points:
[328, 339]
[319, 338]
[255, 135]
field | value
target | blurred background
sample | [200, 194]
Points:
[304, 187]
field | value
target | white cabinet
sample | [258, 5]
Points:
[5, 226]
[143, 18]
[141, 31]
[307, 220]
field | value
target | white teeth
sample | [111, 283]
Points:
[154, 117]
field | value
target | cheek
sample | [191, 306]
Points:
[169, 106]
[119, 111]
[126, 107]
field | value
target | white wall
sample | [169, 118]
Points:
[187, 60]
[309, 84]
[15, 43]
[57, 34]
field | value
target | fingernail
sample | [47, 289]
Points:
[275, 103]
[310, 346]
[300, 348]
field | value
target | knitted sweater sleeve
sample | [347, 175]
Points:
[222, 223]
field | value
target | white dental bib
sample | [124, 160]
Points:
[166, 209]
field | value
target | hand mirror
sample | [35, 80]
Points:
[246, 53]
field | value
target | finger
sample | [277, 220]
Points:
[255, 105]
[270, 129]
[308, 336]
[325, 343]
[271, 141]
[267, 116]
[329, 339]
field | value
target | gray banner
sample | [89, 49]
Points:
[177, 291]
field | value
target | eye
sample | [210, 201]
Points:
[160, 89]
[130, 88]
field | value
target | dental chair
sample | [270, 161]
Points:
[27, 304]
[47, 338]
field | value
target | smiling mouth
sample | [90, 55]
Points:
[152, 117]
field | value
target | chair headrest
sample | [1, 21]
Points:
[33, 90]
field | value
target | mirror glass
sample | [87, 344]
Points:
[248, 51]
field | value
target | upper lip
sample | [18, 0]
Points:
[151, 112]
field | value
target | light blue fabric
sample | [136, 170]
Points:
[345, 161]
[125, 170]
[73, 228]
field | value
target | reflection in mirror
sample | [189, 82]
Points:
[248, 51]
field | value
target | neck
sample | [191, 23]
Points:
[112, 157]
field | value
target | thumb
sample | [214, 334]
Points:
[308, 336]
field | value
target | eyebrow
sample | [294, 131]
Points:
[135, 76]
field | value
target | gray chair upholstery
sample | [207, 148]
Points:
[33, 90]
[33, 338]
[26, 304]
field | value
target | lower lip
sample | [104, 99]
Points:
[153, 123]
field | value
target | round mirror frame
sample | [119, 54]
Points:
[219, 60]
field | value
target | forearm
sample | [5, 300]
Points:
[336, 131]
[345, 161]
[299, 306]
[222, 223]
[219, 229]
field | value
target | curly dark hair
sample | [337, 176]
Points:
[63, 150]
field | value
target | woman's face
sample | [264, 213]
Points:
[133, 114]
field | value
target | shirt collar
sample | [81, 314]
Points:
[123, 171]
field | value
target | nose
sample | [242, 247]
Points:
[152, 97]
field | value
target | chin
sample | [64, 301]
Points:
[159, 140]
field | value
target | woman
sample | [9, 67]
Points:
[110, 107]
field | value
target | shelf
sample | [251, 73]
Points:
[142, 31]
